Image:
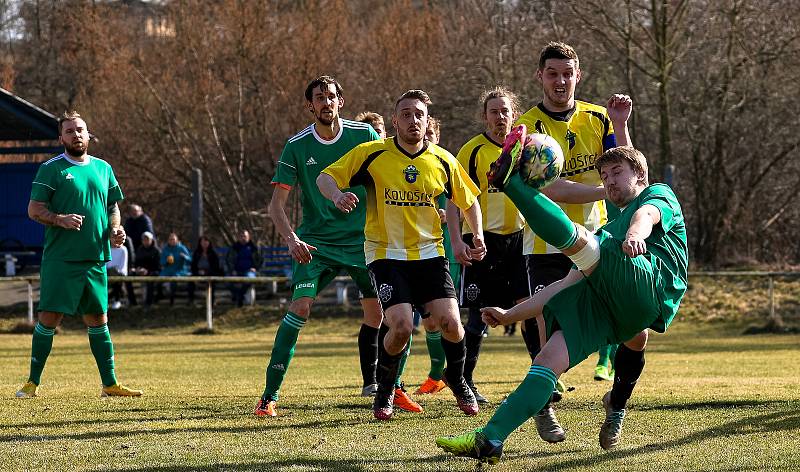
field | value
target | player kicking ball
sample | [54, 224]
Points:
[629, 276]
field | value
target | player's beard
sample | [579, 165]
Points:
[410, 138]
[326, 120]
[500, 131]
[75, 151]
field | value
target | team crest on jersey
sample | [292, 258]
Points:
[385, 292]
[411, 174]
[472, 292]
[570, 137]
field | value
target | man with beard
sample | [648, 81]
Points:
[584, 131]
[404, 251]
[327, 241]
[75, 196]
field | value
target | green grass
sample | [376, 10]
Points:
[710, 399]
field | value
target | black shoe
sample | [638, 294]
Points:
[478, 397]
[464, 397]
[383, 405]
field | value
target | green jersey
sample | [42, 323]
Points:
[666, 247]
[305, 155]
[85, 188]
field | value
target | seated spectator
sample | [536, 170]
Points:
[175, 260]
[147, 262]
[118, 265]
[205, 261]
[244, 260]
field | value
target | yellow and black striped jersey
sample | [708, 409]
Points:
[402, 221]
[499, 214]
[583, 133]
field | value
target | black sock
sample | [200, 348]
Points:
[386, 373]
[368, 353]
[473, 350]
[455, 353]
[531, 336]
[628, 367]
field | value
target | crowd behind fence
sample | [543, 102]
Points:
[342, 282]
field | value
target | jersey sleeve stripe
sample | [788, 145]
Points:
[448, 186]
[362, 177]
[60, 156]
[473, 165]
[282, 185]
[286, 164]
[602, 118]
[44, 185]
[301, 134]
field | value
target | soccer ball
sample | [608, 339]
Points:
[542, 161]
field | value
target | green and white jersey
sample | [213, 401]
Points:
[84, 188]
[666, 247]
[305, 155]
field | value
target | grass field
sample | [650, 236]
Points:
[710, 399]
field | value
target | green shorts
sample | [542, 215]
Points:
[617, 301]
[326, 263]
[73, 288]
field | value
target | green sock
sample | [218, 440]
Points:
[103, 351]
[436, 352]
[401, 367]
[544, 216]
[282, 353]
[40, 349]
[526, 401]
[603, 355]
[612, 354]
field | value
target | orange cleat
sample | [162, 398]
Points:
[404, 402]
[430, 386]
[266, 408]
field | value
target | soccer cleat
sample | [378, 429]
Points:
[404, 402]
[473, 444]
[429, 387]
[478, 397]
[266, 407]
[383, 405]
[119, 390]
[505, 165]
[601, 372]
[548, 427]
[369, 390]
[464, 397]
[29, 390]
[611, 431]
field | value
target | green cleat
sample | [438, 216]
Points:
[473, 444]
[611, 431]
[601, 372]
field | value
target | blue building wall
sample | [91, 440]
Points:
[15, 192]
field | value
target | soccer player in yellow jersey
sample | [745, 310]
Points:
[403, 247]
[500, 279]
[584, 132]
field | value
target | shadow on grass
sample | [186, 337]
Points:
[768, 422]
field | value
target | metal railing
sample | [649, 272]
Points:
[341, 287]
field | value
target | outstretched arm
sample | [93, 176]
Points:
[567, 191]
[299, 250]
[619, 109]
[344, 201]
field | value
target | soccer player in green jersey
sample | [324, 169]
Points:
[327, 242]
[629, 276]
[75, 196]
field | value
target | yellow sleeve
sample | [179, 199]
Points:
[345, 171]
[464, 192]
[463, 155]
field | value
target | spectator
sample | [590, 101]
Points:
[137, 224]
[243, 260]
[148, 262]
[175, 260]
[205, 261]
[118, 265]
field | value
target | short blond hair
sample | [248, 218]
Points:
[68, 116]
[620, 154]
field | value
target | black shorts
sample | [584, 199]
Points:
[544, 269]
[500, 279]
[414, 282]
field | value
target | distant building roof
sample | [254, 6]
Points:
[23, 121]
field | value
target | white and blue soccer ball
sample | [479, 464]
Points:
[542, 160]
